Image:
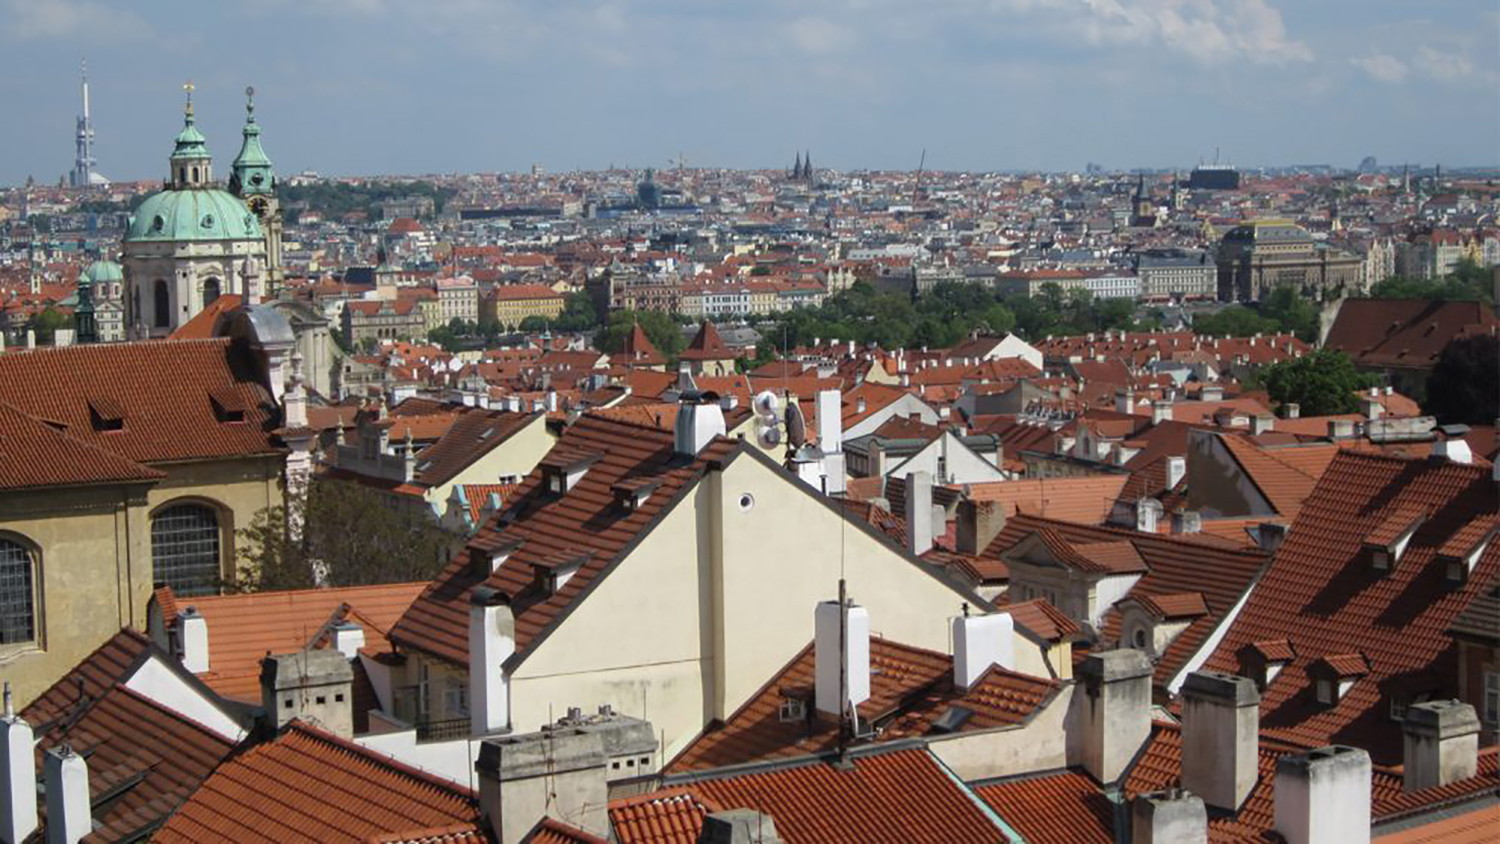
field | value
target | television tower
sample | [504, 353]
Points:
[83, 174]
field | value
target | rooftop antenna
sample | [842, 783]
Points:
[844, 705]
[917, 188]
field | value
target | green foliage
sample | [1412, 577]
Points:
[1234, 321]
[535, 322]
[1283, 311]
[1292, 313]
[46, 323]
[1323, 383]
[578, 314]
[445, 337]
[660, 328]
[354, 534]
[335, 199]
[1469, 282]
[1464, 386]
[341, 340]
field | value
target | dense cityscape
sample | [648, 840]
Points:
[681, 504]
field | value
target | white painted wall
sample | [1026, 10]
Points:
[154, 680]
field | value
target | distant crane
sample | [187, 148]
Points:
[917, 188]
[679, 162]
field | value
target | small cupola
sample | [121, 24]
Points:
[191, 164]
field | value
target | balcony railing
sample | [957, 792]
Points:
[446, 730]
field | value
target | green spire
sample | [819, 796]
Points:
[251, 173]
[190, 142]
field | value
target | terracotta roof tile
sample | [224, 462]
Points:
[309, 786]
[669, 816]
[706, 345]
[94, 675]
[1087, 500]
[34, 454]
[473, 434]
[463, 833]
[1321, 595]
[1066, 807]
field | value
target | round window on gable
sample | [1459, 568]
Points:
[1139, 638]
[747, 502]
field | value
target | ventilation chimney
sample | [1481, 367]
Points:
[1291, 410]
[1323, 795]
[1220, 738]
[826, 655]
[1341, 429]
[1262, 424]
[1161, 411]
[978, 523]
[1124, 401]
[492, 640]
[1176, 468]
[739, 826]
[66, 779]
[1441, 744]
[1454, 449]
[1114, 715]
[348, 638]
[1212, 392]
[1147, 513]
[560, 772]
[315, 685]
[1186, 521]
[192, 640]
[1172, 816]
[699, 420]
[919, 521]
[980, 641]
[18, 791]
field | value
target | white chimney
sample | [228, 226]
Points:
[826, 652]
[859, 405]
[1261, 424]
[1212, 392]
[980, 641]
[918, 514]
[1148, 512]
[1323, 795]
[1220, 738]
[192, 640]
[1173, 816]
[1176, 468]
[18, 791]
[1291, 410]
[1161, 411]
[348, 638]
[1124, 401]
[1455, 449]
[1114, 711]
[830, 422]
[551, 400]
[66, 778]
[492, 640]
[697, 424]
[1441, 744]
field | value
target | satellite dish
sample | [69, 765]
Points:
[769, 436]
[796, 427]
[766, 403]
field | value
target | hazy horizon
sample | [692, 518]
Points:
[371, 87]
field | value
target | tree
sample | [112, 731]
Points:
[341, 340]
[352, 534]
[1469, 282]
[1323, 383]
[579, 313]
[1291, 313]
[535, 322]
[46, 323]
[660, 329]
[1233, 321]
[1464, 386]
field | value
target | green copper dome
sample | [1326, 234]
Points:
[103, 272]
[197, 214]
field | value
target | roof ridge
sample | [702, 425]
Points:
[315, 733]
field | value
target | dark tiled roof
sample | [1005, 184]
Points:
[160, 390]
[307, 785]
[94, 675]
[1321, 595]
[473, 434]
[1403, 332]
[586, 520]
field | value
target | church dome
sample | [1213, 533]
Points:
[104, 272]
[198, 214]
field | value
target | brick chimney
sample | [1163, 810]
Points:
[492, 640]
[1220, 737]
[1441, 744]
[977, 525]
[1323, 795]
[66, 780]
[18, 790]
[1173, 816]
[1112, 712]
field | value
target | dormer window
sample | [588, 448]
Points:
[106, 414]
[631, 493]
[228, 404]
[1461, 551]
[488, 552]
[1387, 542]
[1333, 676]
[553, 571]
[562, 470]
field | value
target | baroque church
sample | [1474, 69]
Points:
[194, 241]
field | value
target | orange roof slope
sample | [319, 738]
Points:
[206, 323]
[473, 434]
[1321, 595]
[1058, 808]
[707, 345]
[638, 350]
[34, 454]
[310, 786]
[244, 628]
[94, 675]
[151, 758]
[910, 688]
[585, 521]
[167, 398]
[1087, 499]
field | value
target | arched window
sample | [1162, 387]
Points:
[17, 593]
[182, 174]
[185, 549]
[210, 291]
[163, 305]
[195, 175]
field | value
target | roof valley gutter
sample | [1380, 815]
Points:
[1011, 834]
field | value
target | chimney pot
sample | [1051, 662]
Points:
[1171, 816]
[1115, 710]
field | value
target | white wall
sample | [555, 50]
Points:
[154, 680]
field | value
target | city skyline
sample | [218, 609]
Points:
[365, 87]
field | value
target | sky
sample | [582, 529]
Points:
[363, 87]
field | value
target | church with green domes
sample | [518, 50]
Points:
[194, 241]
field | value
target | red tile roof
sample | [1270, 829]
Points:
[897, 796]
[162, 391]
[310, 786]
[668, 816]
[473, 434]
[34, 454]
[94, 675]
[463, 833]
[638, 350]
[551, 831]
[1087, 499]
[706, 345]
[1065, 807]
[1404, 332]
[205, 325]
[1322, 596]
[586, 520]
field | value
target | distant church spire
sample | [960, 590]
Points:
[797, 167]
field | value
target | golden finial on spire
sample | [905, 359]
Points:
[188, 87]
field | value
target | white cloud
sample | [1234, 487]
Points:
[1445, 65]
[1210, 31]
[76, 19]
[1382, 66]
[819, 36]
